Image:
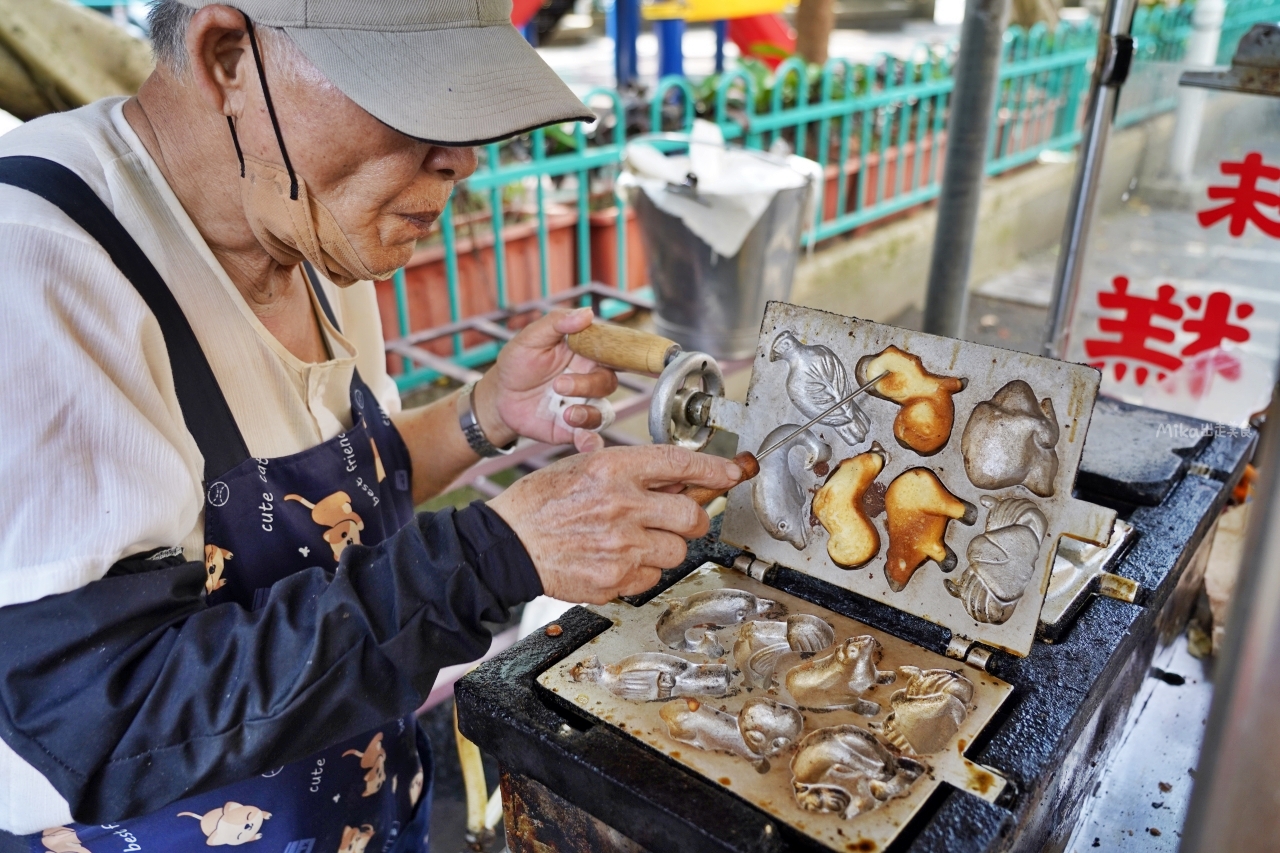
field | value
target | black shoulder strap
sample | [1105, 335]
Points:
[320, 297]
[204, 408]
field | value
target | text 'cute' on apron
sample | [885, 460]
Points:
[266, 519]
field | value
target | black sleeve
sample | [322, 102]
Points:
[130, 692]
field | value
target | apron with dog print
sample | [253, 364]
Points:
[264, 520]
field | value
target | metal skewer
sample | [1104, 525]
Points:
[763, 453]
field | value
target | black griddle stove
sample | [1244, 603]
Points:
[573, 783]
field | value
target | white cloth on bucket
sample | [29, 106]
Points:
[734, 188]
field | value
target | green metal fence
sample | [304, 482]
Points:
[541, 217]
[1240, 16]
[877, 129]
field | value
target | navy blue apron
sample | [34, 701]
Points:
[264, 520]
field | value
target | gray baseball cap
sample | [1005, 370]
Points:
[454, 72]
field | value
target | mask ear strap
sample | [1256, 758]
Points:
[271, 111]
[235, 140]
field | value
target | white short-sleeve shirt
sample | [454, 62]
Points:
[96, 462]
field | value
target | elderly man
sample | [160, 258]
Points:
[219, 608]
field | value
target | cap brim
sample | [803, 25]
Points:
[457, 86]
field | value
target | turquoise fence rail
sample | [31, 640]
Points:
[541, 216]
[1240, 16]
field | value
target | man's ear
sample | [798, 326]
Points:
[220, 58]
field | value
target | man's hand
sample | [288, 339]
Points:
[605, 524]
[511, 398]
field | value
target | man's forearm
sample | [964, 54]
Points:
[130, 692]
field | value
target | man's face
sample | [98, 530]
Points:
[384, 189]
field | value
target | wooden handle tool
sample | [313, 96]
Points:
[703, 496]
[620, 348]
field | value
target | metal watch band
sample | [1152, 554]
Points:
[471, 429]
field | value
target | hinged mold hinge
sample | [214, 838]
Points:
[751, 567]
[974, 654]
[1199, 469]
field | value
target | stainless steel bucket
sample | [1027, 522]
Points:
[711, 303]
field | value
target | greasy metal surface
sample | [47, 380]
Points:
[1255, 67]
[1065, 694]
[1079, 571]
[871, 658]
[987, 374]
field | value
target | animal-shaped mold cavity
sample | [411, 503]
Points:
[838, 679]
[1001, 560]
[762, 648]
[847, 771]
[816, 381]
[1010, 439]
[690, 624]
[927, 412]
[918, 509]
[852, 540]
[761, 730]
[651, 676]
[777, 493]
[928, 712]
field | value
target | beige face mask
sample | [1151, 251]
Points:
[287, 220]
[295, 229]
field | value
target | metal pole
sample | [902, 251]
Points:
[722, 30]
[670, 47]
[1235, 804]
[1115, 53]
[633, 25]
[626, 24]
[1202, 50]
[972, 101]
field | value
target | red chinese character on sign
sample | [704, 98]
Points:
[1245, 200]
[1140, 336]
[1216, 326]
[1135, 328]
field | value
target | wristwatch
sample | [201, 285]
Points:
[471, 429]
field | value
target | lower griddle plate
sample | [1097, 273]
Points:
[872, 799]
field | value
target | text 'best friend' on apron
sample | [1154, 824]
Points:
[264, 520]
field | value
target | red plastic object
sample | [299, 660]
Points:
[769, 31]
[522, 11]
